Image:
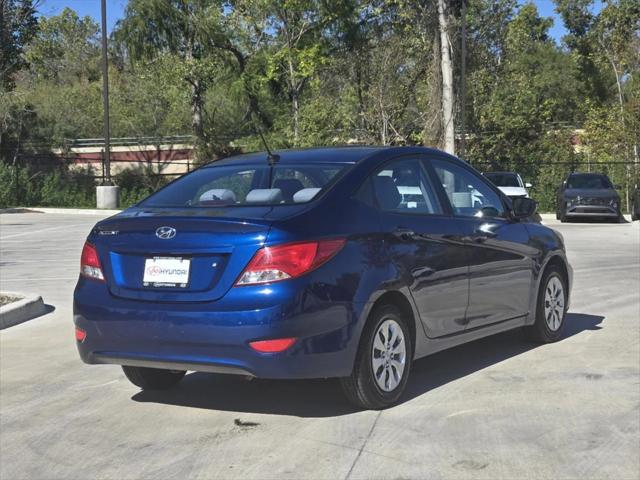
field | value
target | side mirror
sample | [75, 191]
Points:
[523, 207]
[528, 185]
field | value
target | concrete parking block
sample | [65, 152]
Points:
[30, 306]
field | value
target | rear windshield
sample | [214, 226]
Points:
[503, 179]
[242, 185]
[588, 181]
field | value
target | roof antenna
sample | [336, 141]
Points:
[272, 158]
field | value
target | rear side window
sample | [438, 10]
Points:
[247, 185]
[401, 186]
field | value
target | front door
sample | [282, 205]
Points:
[500, 259]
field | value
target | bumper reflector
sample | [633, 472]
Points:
[272, 346]
[80, 335]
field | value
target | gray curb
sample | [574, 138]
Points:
[77, 211]
[21, 311]
[72, 211]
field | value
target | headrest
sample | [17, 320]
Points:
[386, 192]
[219, 195]
[264, 195]
[305, 195]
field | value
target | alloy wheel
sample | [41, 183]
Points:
[389, 355]
[554, 303]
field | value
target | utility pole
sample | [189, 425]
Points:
[463, 79]
[447, 78]
[105, 97]
[107, 194]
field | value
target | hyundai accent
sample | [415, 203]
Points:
[346, 263]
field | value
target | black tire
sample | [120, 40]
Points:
[540, 331]
[361, 387]
[153, 378]
[562, 215]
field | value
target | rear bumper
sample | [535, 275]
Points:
[214, 337]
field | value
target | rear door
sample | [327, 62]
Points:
[500, 258]
[425, 246]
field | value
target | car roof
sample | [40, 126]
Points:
[587, 174]
[501, 173]
[304, 155]
[342, 154]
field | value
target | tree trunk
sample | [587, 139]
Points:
[197, 109]
[294, 94]
[447, 79]
[296, 116]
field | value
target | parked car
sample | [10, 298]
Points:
[635, 204]
[334, 262]
[510, 183]
[584, 195]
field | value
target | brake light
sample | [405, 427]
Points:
[80, 335]
[280, 262]
[90, 263]
[272, 346]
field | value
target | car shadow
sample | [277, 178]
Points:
[324, 398]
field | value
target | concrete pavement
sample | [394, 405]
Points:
[497, 408]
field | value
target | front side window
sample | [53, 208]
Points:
[239, 185]
[468, 194]
[402, 186]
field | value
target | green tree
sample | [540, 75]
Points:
[525, 107]
[152, 28]
[65, 49]
[299, 47]
[18, 24]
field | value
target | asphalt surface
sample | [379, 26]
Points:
[496, 408]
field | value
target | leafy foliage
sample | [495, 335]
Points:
[18, 24]
[317, 72]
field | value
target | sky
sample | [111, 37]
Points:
[115, 10]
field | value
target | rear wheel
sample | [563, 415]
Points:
[551, 308]
[153, 378]
[383, 361]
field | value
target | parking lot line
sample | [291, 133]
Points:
[35, 232]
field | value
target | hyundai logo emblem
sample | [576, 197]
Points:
[166, 233]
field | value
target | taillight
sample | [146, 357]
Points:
[90, 263]
[280, 262]
[276, 345]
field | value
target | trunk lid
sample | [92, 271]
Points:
[214, 246]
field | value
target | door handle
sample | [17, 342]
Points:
[404, 234]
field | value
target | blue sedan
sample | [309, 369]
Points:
[332, 262]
